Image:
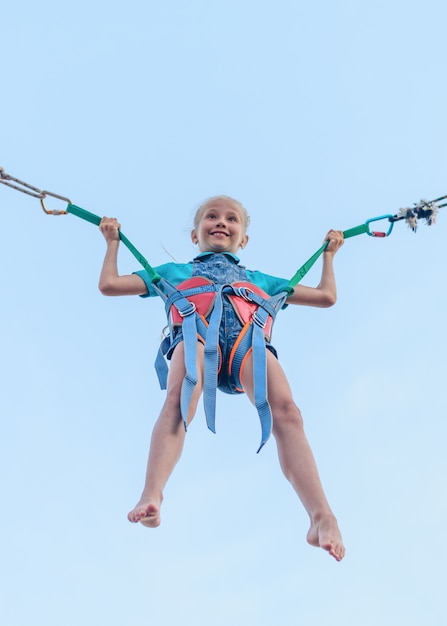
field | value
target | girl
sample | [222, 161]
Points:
[220, 230]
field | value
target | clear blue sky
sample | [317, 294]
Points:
[315, 115]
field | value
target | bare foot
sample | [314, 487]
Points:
[324, 533]
[147, 512]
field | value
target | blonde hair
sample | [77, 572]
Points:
[241, 209]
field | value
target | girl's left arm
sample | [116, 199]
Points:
[325, 295]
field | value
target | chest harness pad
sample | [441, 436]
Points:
[197, 305]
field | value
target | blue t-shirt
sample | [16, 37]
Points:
[176, 273]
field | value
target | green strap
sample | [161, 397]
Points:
[95, 219]
[357, 230]
[299, 275]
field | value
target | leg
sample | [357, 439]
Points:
[296, 458]
[167, 440]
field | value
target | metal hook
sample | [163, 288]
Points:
[33, 191]
[372, 233]
[53, 195]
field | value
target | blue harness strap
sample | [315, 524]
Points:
[196, 328]
[193, 327]
[252, 338]
[211, 362]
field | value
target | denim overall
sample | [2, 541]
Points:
[223, 271]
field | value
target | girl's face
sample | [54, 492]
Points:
[221, 228]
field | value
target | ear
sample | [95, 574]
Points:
[194, 238]
[244, 241]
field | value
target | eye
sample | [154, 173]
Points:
[234, 218]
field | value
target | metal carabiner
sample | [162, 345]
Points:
[30, 190]
[53, 195]
[373, 233]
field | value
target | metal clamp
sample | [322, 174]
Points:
[53, 195]
[373, 233]
[30, 190]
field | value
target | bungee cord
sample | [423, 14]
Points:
[423, 210]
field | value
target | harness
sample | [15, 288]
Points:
[197, 305]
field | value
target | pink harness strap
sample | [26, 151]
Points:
[189, 304]
[203, 302]
[245, 309]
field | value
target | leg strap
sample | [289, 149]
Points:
[211, 364]
[191, 321]
[251, 339]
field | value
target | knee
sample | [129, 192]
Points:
[286, 415]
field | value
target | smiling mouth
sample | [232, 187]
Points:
[219, 232]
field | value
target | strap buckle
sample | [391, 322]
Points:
[187, 310]
[245, 293]
[257, 319]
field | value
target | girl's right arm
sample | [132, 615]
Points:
[110, 282]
